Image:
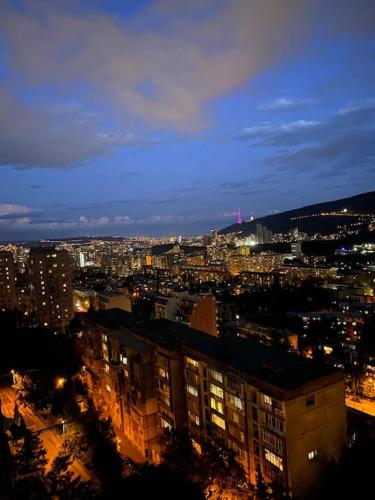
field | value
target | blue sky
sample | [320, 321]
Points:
[163, 117]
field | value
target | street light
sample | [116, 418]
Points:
[60, 382]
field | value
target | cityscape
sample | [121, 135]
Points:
[187, 251]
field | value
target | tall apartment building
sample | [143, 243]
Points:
[134, 376]
[277, 412]
[197, 311]
[280, 412]
[8, 299]
[51, 287]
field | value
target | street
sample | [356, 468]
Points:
[51, 439]
[363, 405]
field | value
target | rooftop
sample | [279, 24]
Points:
[284, 370]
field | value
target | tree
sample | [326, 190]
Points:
[179, 454]
[222, 473]
[216, 470]
[159, 481]
[30, 463]
[62, 484]
[261, 489]
[102, 456]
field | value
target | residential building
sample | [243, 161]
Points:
[8, 299]
[278, 411]
[51, 287]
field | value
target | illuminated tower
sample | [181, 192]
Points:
[239, 218]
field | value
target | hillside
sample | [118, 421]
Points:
[321, 218]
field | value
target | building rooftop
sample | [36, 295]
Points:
[284, 370]
[127, 340]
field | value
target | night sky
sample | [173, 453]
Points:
[162, 117]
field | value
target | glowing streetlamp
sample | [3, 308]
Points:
[60, 383]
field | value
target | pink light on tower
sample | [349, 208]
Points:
[239, 218]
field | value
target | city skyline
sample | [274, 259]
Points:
[163, 118]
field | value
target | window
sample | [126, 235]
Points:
[192, 390]
[312, 455]
[236, 401]
[273, 459]
[220, 422]
[218, 391]
[267, 399]
[273, 441]
[310, 400]
[233, 384]
[216, 376]
[165, 424]
[217, 405]
[192, 362]
[194, 418]
[163, 373]
[273, 422]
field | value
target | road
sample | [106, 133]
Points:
[363, 405]
[51, 439]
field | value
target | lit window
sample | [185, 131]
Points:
[267, 399]
[236, 401]
[217, 405]
[165, 424]
[274, 459]
[312, 455]
[192, 362]
[192, 390]
[218, 391]
[216, 376]
[220, 422]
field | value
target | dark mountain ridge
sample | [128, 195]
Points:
[310, 219]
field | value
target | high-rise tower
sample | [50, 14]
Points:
[51, 282]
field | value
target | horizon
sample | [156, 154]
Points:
[163, 118]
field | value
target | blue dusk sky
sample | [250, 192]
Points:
[162, 117]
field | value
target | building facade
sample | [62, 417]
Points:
[8, 299]
[51, 287]
[278, 411]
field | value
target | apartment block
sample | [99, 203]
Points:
[8, 299]
[51, 287]
[281, 412]
[197, 311]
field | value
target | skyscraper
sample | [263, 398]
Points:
[51, 287]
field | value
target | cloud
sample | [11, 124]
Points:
[47, 138]
[283, 104]
[7, 210]
[163, 65]
[338, 144]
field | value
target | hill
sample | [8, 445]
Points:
[321, 218]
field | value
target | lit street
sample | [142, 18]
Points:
[51, 439]
[362, 405]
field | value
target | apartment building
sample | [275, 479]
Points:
[278, 411]
[51, 287]
[8, 299]
[275, 410]
[197, 311]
